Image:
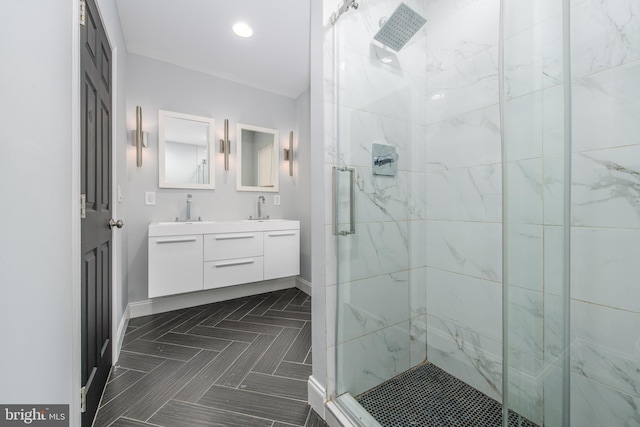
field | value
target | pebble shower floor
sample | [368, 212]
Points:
[428, 396]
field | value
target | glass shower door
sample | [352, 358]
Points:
[378, 219]
[536, 210]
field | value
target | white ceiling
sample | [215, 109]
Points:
[197, 34]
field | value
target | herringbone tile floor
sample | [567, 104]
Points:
[243, 362]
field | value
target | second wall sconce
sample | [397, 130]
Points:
[225, 145]
[288, 153]
[140, 138]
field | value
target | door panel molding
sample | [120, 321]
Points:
[95, 234]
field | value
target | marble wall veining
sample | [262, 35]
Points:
[464, 193]
[605, 214]
[605, 305]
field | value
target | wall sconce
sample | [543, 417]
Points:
[225, 145]
[288, 153]
[140, 138]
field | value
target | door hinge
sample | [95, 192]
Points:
[83, 206]
[83, 399]
[83, 13]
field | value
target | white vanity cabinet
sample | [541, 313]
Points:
[187, 257]
[177, 265]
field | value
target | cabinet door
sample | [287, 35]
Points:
[175, 265]
[281, 254]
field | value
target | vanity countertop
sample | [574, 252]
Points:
[175, 228]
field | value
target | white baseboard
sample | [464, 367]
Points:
[303, 285]
[316, 396]
[193, 299]
[119, 336]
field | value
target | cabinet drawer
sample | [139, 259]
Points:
[218, 274]
[232, 245]
[281, 254]
[175, 265]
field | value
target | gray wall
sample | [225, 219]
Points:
[319, 313]
[157, 85]
[302, 180]
[39, 235]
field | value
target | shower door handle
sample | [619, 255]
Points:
[352, 201]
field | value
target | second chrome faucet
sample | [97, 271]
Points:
[261, 215]
[188, 207]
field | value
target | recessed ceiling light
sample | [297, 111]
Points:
[243, 30]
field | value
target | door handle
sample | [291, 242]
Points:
[352, 201]
[236, 236]
[114, 223]
[187, 240]
[234, 263]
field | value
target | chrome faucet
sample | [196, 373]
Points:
[188, 207]
[260, 203]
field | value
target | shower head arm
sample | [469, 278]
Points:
[346, 5]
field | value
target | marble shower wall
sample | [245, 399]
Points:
[605, 288]
[605, 312]
[379, 288]
[464, 192]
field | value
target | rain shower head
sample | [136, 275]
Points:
[400, 27]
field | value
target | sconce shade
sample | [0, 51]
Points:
[138, 136]
[145, 138]
[225, 145]
[288, 153]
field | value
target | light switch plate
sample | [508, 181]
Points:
[276, 200]
[149, 198]
[119, 193]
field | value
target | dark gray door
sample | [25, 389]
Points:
[95, 60]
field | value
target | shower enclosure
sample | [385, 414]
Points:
[485, 212]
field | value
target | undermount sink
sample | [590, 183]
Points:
[177, 228]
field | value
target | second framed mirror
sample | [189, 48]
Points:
[257, 158]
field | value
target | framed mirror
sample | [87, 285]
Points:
[257, 165]
[185, 145]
